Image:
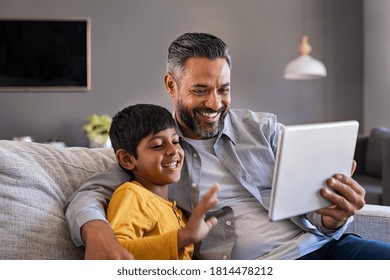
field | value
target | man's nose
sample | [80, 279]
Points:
[214, 101]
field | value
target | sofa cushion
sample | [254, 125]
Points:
[35, 182]
[372, 222]
[375, 151]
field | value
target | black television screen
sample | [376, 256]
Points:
[44, 54]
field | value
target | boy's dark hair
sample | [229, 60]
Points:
[195, 45]
[135, 122]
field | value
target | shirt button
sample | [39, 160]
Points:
[243, 177]
[228, 223]
[193, 185]
[195, 155]
[224, 257]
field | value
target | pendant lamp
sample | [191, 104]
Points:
[304, 67]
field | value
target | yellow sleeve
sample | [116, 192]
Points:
[130, 221]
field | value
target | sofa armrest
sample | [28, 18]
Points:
[372, 222]
[386, 171]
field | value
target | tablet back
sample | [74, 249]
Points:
[307, 155]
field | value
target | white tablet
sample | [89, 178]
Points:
[307, 155]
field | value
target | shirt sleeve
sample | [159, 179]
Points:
[90, 200]
[316, 219]
[134, 227]
[312, 222]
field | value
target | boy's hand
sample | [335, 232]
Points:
[197, 227]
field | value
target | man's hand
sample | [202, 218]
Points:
[347, 199]
[101, 243]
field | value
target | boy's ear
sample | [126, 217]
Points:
[126, 160]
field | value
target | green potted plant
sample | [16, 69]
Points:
[97, 130]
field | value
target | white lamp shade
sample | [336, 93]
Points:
[305, 67]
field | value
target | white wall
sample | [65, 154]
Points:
[376, 109]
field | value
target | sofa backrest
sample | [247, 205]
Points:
[374, 153]
[36, 180]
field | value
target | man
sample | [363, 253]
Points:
[236, 149]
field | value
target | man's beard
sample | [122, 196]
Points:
[192, 122]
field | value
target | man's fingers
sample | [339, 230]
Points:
[347, 198]
[348, 189]
[354, 165]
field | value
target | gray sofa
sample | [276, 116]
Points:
[372, 155]
[37, 179]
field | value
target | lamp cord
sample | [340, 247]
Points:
[304, 17]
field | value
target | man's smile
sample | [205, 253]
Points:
[209, 116]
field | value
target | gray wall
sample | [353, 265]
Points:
[129, 46]
[376, 64]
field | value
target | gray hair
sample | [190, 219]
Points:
[195, 45]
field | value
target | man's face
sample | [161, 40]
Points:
[202, 97]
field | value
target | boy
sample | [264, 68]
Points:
[144, 221]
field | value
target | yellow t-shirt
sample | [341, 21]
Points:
[146, 224]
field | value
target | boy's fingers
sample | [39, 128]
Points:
[207, 202]
[212, 221]
[212, 191]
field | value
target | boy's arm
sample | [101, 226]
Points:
[88, 205]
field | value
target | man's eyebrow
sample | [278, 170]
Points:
[199, 85]
[205, 85]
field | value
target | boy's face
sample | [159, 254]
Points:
[160, 159]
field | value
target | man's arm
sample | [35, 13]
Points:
[102, 243]
[85, 212]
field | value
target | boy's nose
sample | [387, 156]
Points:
[172, 150]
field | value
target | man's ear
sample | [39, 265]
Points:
[126, 160]
[170, 84]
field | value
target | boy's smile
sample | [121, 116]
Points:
[172, 165]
